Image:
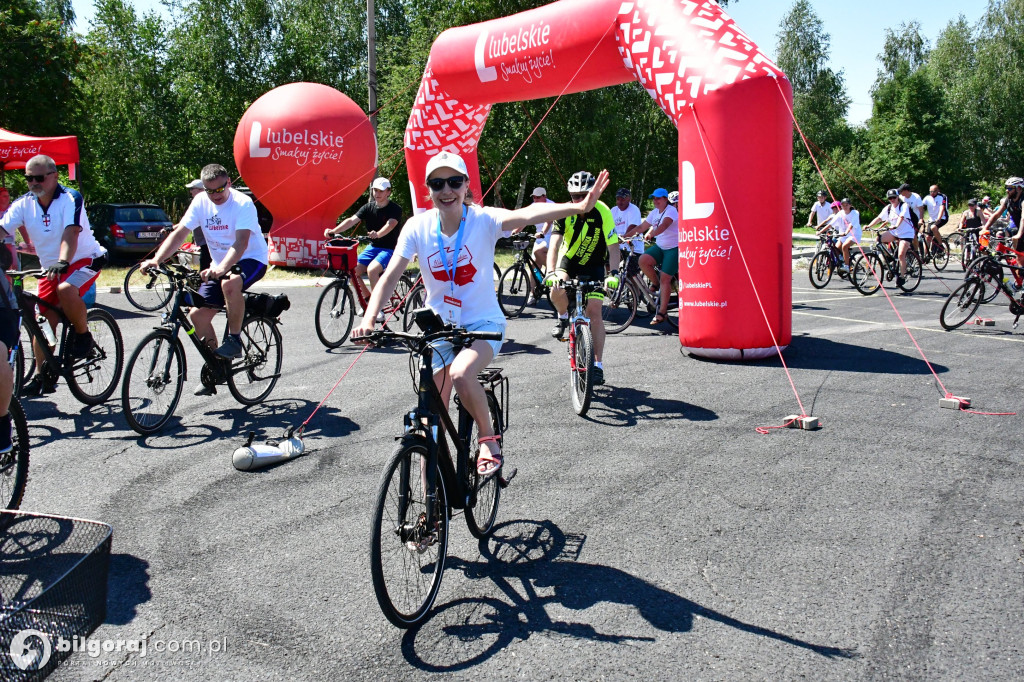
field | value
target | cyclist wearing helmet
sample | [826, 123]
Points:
[455, 245]
[673, 198]
[897, 214]
[1011, 203]
[581, 246]
[820, 212]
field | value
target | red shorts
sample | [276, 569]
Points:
[79, 274]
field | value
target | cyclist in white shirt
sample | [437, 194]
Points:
[627, 216]
[820, 212]
[662, 226]
[846, 222]
[232, 232]
[897, 214]
[938, 215]
[540, 246]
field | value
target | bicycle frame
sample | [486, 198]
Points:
[52, 362]
[579, 315]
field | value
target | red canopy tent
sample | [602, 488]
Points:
[16, 149]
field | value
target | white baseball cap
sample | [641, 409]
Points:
[381, 184]
[539, 192]
[195, 184]
[446, 160]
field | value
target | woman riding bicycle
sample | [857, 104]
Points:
[460, 289]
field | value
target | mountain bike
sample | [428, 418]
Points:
[970, 246]
[828, 259]
[152, 290]
[995, 255]
[624, 304]
[963, 301]
[157, 369]
[522, 280]
[881, 263]
[90, 379]
[336, 309]
[425, 481]
[929, 252]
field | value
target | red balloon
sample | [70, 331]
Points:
[308, 152]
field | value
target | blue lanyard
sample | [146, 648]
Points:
[458, 247]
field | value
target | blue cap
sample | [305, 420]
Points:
[660, 192]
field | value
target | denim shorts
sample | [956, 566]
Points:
[444, 354]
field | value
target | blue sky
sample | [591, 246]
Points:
[856, 30]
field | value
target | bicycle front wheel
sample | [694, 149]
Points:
[866, 273]
[153, 381]
[514, 289]
[914, 271]
[619, 308]
[820, 271]
[147, 292]
[253, 377]
[582, 376]
[14, 464]
[409, 538]
[416, 299]
[335, 311]
[485, 491]
[92, 380]
[961, 304]
[990, 272]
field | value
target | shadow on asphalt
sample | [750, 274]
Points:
[128, 587]
[90, 422]
[535, 566]
[511, 347]
[624, 406]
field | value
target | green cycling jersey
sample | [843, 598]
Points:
[582, 235]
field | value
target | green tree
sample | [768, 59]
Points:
[998, 84]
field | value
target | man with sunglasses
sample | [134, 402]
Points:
[901, 229]
[54, 218]
[1012, 204]
[233, 233]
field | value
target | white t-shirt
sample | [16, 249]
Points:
[899, 220]
[823, 211]
[220, 223]
[473, 289]
[934, 205]
[669, 239]
[915, 202]
[543, 229]
[847, 223]
[46, 228]
[624, 219]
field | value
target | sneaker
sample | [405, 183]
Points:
[531, 300]
[230, 349]
[900, 281]
[82, 346]
[37, 387]
[380, 317]
[6, 441]
[558, 331]
[598, 373]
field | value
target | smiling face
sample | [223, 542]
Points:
[660, 203]
[444, 196]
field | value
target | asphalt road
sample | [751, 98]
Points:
[660, 538]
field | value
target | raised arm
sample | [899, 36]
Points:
[542, 213]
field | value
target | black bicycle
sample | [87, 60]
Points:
[424, 482]
[986, 282]
[157, 370]
[881, 263]
[14, 464]
[828, 259]
[931, 252]
[522, 280]
[92, 378]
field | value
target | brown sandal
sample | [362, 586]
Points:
[487, 463]
[659, 318]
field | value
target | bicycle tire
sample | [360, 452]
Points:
[28, 353]
[403, 594]
[820, 271]
[915, 271]
[581, 378]
[334, 313]
[92, 380]
[147, 292]
[253, 377]
[619, 308]
[150, 402]
[14, 464]
[866, 273]
[417, 299]
[486, 493]
[961, 304]
[18, 363]
[989, 271]
[514, 289]
[968, 255]
[941, 260]
[672, 310]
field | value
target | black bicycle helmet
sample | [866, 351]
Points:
[892, 194]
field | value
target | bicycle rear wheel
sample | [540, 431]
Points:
[92, 380]
[407, 552]
[481, 514]
[514, 289]
[334, 313]
[153, 381]
[914, 272]
[252, 378]
[941, 258]
[969, 253]
[581, 378]
[416, 299]
[147, 292]
[820, 272]
[989, 271]
[961, 304]
[619, 308]
[14, 464]
[866, 273]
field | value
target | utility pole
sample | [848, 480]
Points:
[371, 46]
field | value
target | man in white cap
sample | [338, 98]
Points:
[383, 218]
[205, 260]
[540, 247]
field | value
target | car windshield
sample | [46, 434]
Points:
[141, 214]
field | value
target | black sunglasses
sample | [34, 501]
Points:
[37, 178]
[437, 184]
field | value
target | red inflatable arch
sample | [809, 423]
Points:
[727, 99]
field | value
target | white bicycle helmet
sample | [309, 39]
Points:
[673, 197]
[1014, 182]
[581, 182]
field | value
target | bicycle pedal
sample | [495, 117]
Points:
[503, 480]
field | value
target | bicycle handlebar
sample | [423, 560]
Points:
[459, 336]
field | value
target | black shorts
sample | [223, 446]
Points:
[591, 271]
[941, 222]
[9, 327]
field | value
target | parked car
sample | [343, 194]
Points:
[128, 229]
[264, 217]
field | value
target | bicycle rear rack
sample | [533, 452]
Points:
[494, 379]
